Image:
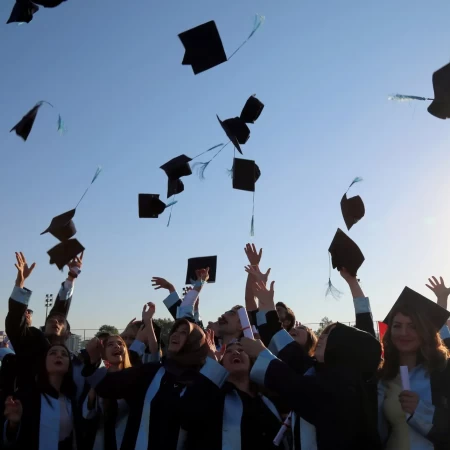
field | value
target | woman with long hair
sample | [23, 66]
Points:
[237, 415]
[305, 337]
[112, 415]
[46, 416]
[415, 418]
[154, 391]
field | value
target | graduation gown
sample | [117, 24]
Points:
[155, 397]
[40, 425]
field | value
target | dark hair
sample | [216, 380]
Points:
[68, 387]
[290, 316]
[311, 340]
[433, 354]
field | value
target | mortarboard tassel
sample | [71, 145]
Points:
[97, 173]
[259, 20]
[331, 290]
[171, 208]
[62, 129]
[202, 166]
[209, 149]
[407, 98]
[356, 180]
[252, 225]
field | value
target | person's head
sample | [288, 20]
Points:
[342, 346]
[130, 332]
[235, 360]
[229, 323]
[57, 363]
[29, 317]
[187, 344]
[305, 337]
[282, 310]
[116, 352]
[56, 327]
[410, 333]
[289, 320]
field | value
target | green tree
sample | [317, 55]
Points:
[107, 329]
[323, 324]
[165, 325]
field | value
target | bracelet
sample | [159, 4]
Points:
[199, 283]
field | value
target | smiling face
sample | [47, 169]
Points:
[178, 338]
[404, 335]
[235, 360]
[300, 335]
[229, 324]
[322, 343]
[57, 361]
[114, 350]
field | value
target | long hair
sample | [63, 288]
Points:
[311, 341]
[433, 354]
[68, 387]
[125, 364]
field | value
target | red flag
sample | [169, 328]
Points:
[382, 328]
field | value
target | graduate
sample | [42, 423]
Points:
[45, 415]
[416, 416]
[235, 416]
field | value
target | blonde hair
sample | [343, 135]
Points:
[125, 364]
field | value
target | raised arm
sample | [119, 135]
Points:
[254, 258]
[173, 300]
[363, 313]
[442, 292]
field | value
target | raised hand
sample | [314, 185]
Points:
[202, 274]
[95, 350]
[254, 258]
[209, 336]
[438, 287]
[257, 274]
[13, 410]
[161, 283]
[253, 347]
[75, 266]
[264, 295]
[23, 271]
[148, 312]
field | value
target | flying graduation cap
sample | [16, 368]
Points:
[245, 174]
[353, 209]
[202, 262]
[175, 169]
[23, 10]
[150, 206]
[343, 252]
[440, 106]
[24, 126]
[203, 45]
[63, 228]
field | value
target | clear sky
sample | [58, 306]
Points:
[322, 69]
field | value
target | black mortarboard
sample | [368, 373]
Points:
[64, 252]
[22, 12]
[352, 210]
[23, 128]
[251, 110]
[62, 226]
[201, 263]
[177, 167]
[49, 3]
[203, 47]
[150, 206]
[427, 308]
[440, 107]
[174, 187]
[245, 174]
[237, 131]
[345, 253]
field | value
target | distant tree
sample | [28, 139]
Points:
[323, 324]
[107, 329]
[165, 325]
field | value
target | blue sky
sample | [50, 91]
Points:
[324, 71]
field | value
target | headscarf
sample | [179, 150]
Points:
[194, 351]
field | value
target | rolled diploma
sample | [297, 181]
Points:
[245, 323]
[284, 427]
[404, 375]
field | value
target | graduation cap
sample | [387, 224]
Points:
[64, 252]
[49, 3]
[174, 187]
[204, 48]
[353, 209]
[175, 169]
[24, 126]
[427, 308]
[22, 12]
[201, 263]
[62, 226]
[245, 174]
[345, 253]
[150, 206]
[237, 131]
[252, 110]
[440, 106]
